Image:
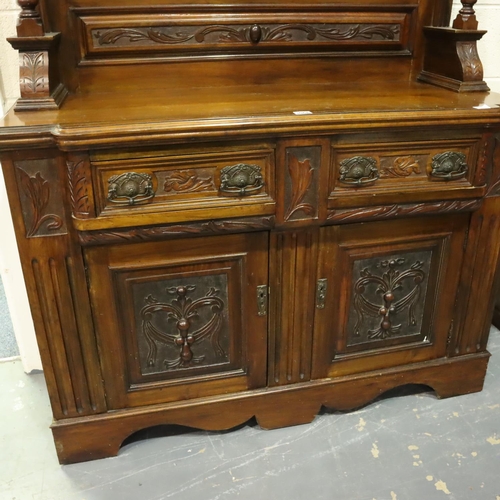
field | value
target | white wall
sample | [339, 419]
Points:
[488, 14]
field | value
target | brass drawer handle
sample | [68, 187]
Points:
[130, 188]
[359, 171]
[241, 180]
[449, 166]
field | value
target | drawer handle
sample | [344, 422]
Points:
[130, 188]
[359, 171]
[241, 180]
[449, 166]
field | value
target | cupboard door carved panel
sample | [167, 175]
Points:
[181, 323]
[388, 297]
[174, 314]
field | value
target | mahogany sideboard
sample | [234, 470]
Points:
[237, 209]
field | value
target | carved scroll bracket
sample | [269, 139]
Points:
[463, 71]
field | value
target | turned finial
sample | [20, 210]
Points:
[29, 22]
[28, 8]
[466, 19]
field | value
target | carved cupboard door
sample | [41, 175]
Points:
[180, 319]
[386, 293]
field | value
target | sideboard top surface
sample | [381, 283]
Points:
[98, 119]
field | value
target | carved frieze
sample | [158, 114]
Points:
[345, 216]
[241, 33]
[102, 237]
[238, 34]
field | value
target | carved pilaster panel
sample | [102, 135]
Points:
[41, 197]
[301, 174]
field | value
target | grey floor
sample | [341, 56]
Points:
[412, 446]
[8, 346]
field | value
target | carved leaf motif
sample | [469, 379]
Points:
[78, 187]
[37, 190]
[301, 174]
[188, 181]
[385, 32]
[471, 64]
[33, 78]
[136, 35]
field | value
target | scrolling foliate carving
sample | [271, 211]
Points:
[403, 166]
[382, 291]
[471, 64]
[187, 181]
[256, 33]
[91, 238]
[345, 216]
[36, 190]
[182, 310]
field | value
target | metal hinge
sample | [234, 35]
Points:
[262, 294]
[321, 288]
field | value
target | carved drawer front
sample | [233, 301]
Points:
[388, 293]
[178, 321]
[202, 185]
[364, 173]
